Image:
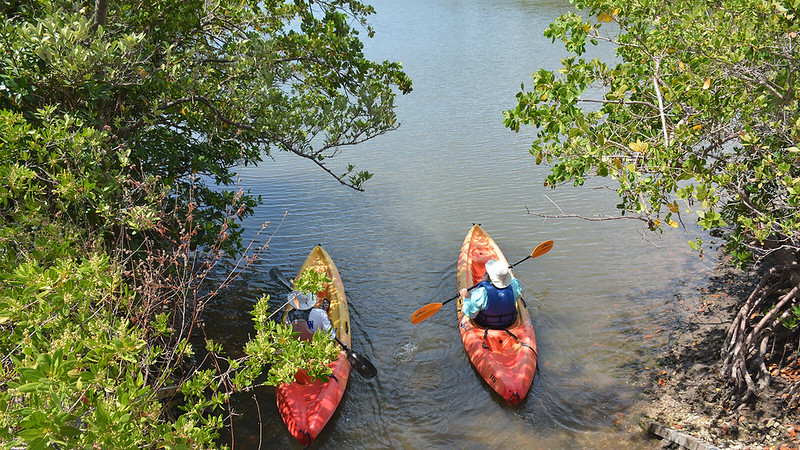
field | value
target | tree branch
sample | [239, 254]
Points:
[617, 102]
[322, 166]
[100, 13]
[660, 101]
[590, 219]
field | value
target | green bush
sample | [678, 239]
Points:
[117, 127]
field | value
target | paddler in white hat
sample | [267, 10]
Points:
[305, 318]
[493, 304]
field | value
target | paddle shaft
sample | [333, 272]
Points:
[279, 309]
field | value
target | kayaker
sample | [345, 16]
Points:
[305, 318]
[493, 304]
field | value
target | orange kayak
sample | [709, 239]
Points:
[307, 406]
[506, 359]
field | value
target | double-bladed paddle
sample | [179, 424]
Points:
[432, 308]
[362, 365]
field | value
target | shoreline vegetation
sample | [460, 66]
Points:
[697, 116]
[688, 404]
[121, 127]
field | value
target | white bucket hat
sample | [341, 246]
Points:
[302, 301]
[498, 273]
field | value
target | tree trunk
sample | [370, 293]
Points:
[100, 13]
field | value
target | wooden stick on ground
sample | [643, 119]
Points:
[682, 439]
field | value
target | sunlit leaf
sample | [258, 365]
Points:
[638, 146]
[673, 207]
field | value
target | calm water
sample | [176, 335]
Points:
[594, 298]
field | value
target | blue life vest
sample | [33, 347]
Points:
[501, 307]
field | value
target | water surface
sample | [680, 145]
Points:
[594, 297]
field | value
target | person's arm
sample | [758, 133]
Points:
[475, 303]
[516, 288]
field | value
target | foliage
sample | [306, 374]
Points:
[70, 369]
[699, 115]
[277, 346]
[57, 171]
[75, 375]
[82, 363]
[793, 319]
[115, 125]
[310, 281]
[195, 88]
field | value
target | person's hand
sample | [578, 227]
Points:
[463, 293]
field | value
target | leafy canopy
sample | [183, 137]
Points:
[701, 114]
[186, 91]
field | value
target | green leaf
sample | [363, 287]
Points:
[29, 387]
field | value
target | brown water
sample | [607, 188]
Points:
[594, 297]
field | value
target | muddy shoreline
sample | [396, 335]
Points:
[682, 388]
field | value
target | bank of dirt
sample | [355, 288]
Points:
[684, 391]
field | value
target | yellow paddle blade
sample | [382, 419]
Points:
[542, 248]
[425, 312]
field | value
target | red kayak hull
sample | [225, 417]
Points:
[506, 359]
